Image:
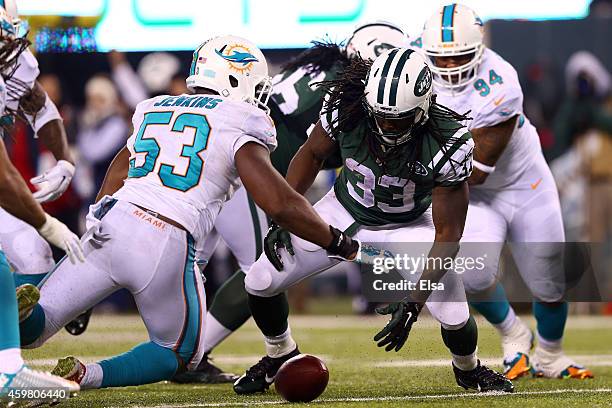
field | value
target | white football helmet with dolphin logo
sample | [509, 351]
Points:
[453, 31]
[234, 67]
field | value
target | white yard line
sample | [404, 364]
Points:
[382, 399]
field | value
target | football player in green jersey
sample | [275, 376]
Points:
[406, 164]
[295, 105]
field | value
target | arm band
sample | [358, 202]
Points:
[483, 167]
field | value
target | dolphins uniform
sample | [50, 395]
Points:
[143, 238]
[519, 199]
[26, 251]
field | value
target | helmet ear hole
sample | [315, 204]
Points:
[233, 81]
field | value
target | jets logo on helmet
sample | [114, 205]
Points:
[454, 31]
[398, 95]
[423, 82]
[372, 39]
[238, 56]
[233, 67]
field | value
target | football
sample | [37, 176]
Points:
[302, 378]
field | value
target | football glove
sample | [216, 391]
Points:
[57, 180]
[56, 233]
[343, 247]
[403, 315]
[276, 238]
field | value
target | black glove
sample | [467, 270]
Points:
[403, 315]
[342, 246]
[276, 238]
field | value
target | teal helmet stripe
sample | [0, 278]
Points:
[194, 61]
[383, 76]
[448, 15]
[396, 76]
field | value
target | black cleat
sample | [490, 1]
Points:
[79, 324]
[206, 373]
[259, 377]
[482, 379]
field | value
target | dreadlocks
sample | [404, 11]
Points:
[322, 56]
[10, 51]
[345, 105]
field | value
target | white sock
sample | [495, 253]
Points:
[214, 334]
[466, 363]
[278, 346]
[549, 345]
[93, 376]
[10, 361]
[505, 327]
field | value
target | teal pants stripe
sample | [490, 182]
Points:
[187, 346]
[9, 317]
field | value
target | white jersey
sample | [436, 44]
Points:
[26, 73]
[182, 155]
[494, 97]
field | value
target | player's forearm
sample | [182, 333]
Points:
[115, 175]
[16, 198]
[299, 217]
[303, 170]
[53, 136]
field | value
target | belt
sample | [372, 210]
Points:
[161, 217]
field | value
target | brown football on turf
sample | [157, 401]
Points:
[301, 378]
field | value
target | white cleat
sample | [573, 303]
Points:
[555, 364]
[516, 347]
[40, 388]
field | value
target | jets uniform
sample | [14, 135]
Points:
[143, 238]
[383, 203]
[519, 198]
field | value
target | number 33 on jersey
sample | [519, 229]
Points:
[182, 154]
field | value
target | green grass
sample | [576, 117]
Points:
[358, 369]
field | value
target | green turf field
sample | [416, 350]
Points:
[361, 375]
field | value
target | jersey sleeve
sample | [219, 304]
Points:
[454, 164]
[257, 127]
[499, 108]
[27, 71]
[327, 118]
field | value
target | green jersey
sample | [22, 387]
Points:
[295, 106]
[395, 192]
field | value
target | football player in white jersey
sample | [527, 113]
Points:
[27, 253]
[513, 195]
[15, 197]
[186, 157]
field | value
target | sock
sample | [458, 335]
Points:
[496, 307]
[505, 327]
[230, 306]
[270, 314]
[549, 345]
[9, 317]
[551, 318]
[214, 334]
[465, 363]
[278, 346]
[462, 344]
[144, 364]
[93, 376]
[32, 327]
[10, 360]
[34, 279]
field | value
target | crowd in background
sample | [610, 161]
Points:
[573, 118]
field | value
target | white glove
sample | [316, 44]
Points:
[57, 180]
[56, 233]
